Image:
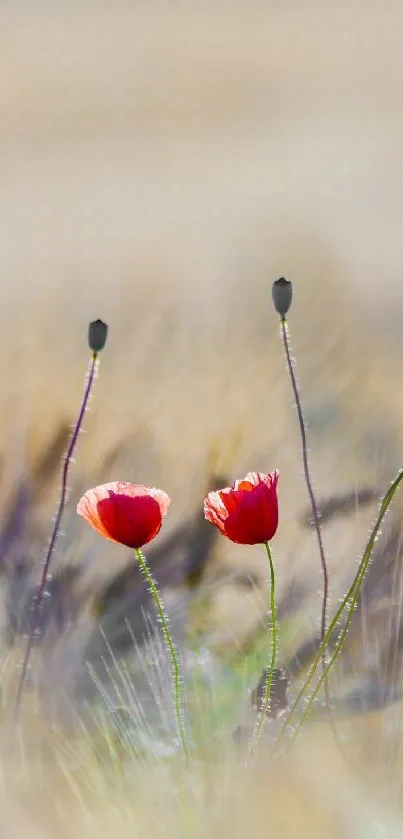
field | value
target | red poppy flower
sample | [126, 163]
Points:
[130, 514]
[247, 512]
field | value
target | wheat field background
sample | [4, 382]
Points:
[160, 165]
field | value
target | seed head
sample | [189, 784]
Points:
[282, 295]
[97, 335]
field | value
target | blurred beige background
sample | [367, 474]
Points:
[162, 163]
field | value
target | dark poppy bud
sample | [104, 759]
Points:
[97, 335]
[282, 295]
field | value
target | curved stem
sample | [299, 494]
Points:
[53, 539]
[152, 586]
[265, 706]
[315, 513]
[318, 529]
[351, 600]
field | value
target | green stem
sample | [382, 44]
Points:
[351, 600]
[152, 587]
[265, 706]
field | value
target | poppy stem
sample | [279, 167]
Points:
[164, 620]
[41, 589]
[349, 600]
[308, 481]
[265, 705]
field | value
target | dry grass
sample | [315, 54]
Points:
[53, 784]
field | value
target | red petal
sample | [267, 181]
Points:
[247, 512]
[127, 513]
[132, 521]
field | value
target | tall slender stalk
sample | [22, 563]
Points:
[350, 600]
[41, 588]
[265, 705]
[308, 481]
[163, 617]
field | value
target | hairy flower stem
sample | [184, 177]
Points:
[265, 706]
[349, 600]
[41, 589]
[314, 508]
[164, 620]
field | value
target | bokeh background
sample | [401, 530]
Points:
[161, 164]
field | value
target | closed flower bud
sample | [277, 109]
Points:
[97, 335]
[282, 295]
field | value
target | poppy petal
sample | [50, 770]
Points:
[127, 513]
[247, 512]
